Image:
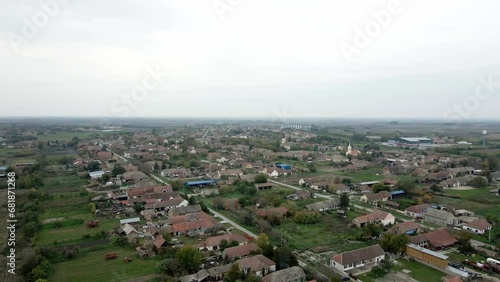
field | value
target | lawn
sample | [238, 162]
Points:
[419, 272]
[93, 267]
[74, 233]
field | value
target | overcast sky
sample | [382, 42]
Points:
[250, 58]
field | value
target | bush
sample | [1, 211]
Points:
[307, 217]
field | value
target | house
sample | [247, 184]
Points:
[238, 252]
[357, 258]
[417, 211]
[439, 217]
[185, 210]
[259, 264]
[213, 243]
[324, 206]
[299, 195]
[217, 273]
[193, 224]
[374, 199]
[104, 155]
[365, 189]
[340, 189]
[200, 276]
[478, 226]
[292, 274]
[407, 227]
[375, 217]
[134, 176]
[436, 240]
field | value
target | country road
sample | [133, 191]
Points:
[237, 226]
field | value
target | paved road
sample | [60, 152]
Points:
[158, 179]
[237, 226]
[121, 157]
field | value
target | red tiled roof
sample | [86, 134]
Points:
[479, 224]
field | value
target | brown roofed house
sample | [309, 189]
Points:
[357, 258]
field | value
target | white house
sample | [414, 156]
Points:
[357, 258]
[478, 226]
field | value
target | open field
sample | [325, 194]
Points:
[419, 272]
[478, 200]
[49, 234]
[92, 266]
[63, 183]
[65, 205]
[67, 136]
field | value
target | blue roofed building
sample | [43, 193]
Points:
[284, 166]
[199, 183]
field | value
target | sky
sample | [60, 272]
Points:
[250, 58]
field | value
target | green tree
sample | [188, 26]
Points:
[189, 258]
[95, 165]
[117, 169]
[284, 258]
[234, 274]
[407, 184]
[263, 241]
[394, 243]
[380, 187]
[344, 200]
[260, 178]
[177, 185]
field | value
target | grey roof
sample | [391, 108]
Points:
[295, 273]
[186, 210]
[218, 270]
[323, 205]
[199, 276]
[439, 213]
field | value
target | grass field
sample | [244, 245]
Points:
[477, 200]
[63, 136]
[64, 205]
[63, 183]
[74, 233]
[93, 267]
[419, 272]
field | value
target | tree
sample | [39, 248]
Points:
[234, 274]
[260, 178]
[93, 165]
[170, 267]
[479, 182]
[117, 169]
[406, 184]
[464, 245]
[105, 178]
[394, 243]
[177, 185]
[92, 208]
[336, 180]
[284, 258]
[263, 241]
[437, 188]
[380, 187]
[344, 200]
[312, 168]
[189, 258]
[346, 181]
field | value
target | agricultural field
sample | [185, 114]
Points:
[92, 266]
[478, 200]
[63, 183]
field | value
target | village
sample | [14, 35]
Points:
[262, 203]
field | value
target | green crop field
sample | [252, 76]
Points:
[92, 266]
[76, 232]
